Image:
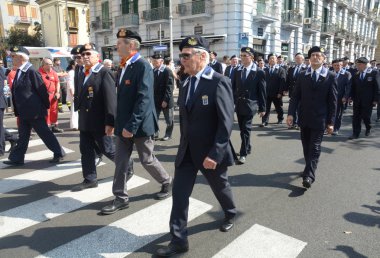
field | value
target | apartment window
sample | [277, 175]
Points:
[198, 30]
[162, 34]
[23, 11]
[288, 4]
[308, 9]
[73, 17]
[34, 12]
[88, 20]
[128, 6]
[105, 15]
[10, 10]
[159, 3]
[325, 15]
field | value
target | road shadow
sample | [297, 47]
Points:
[349, 251]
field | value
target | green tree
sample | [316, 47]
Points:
[20, 37]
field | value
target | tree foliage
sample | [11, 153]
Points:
[20, 37]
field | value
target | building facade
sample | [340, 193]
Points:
[65, 23]
[341, 27]
[20, 14]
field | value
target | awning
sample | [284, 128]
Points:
[210, 38]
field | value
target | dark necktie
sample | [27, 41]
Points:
[314, 77]
[362, 76]
[232, 71]
[155, 73]
[192, 88]
[244, 75]
[296, 72]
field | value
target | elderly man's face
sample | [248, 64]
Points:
[17, 60]
[234, 61]
[191, 59]
[272, 60]
[157, 62]
[124, 47]
[90, 58]
[246, 58]
[47, 65]
[337, 66]
[361, 67]
[298, 59]
[317, 59]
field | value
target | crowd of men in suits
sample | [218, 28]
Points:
[117, 112]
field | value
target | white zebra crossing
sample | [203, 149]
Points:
[38, 176]
[262, 242]
[39, 155]
[33, 213]
[123, 237]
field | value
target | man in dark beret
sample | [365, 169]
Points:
[373, 64]
[206, 111]
[136, 121]
[365, 93]
[230, 70]
[163, 94]
[214, 63]
[315, 92]
[31, 102]
[343, 87]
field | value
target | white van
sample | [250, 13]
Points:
[36, 54]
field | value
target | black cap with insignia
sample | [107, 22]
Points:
[128, 34]
[298, 54]
[157, 56]
[195, 41]
[247, 50]
[20, 49]
[88, 47]
[314, 50]
[232, 57]
[76, 50]
[362, 60]
[271, 54]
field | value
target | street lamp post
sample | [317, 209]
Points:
[171, 29]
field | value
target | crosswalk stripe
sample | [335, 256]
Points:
[39, 155]
[33, 213]
[38, 176]
[126, 235]
[32, 143]
[262, 242]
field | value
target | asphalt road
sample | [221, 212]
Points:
[338, 217]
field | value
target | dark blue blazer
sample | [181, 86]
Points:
[217, 67]
[365, 91]
[206, 122]
[291, 78]
[29, 94]
[275, 82]
[163, 87]
[344, 85]
[96, 100]
[318, 100]
[3, 101]
[135, 101]
[253, 88]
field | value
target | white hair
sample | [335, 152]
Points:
[107, 61]
[25, 57]
[203, 51]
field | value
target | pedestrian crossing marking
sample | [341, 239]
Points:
[262, 242]
[32, 143]
[125, 236]
[38, 176]
[39, 155]
[30, 214]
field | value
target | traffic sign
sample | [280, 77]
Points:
[159, 48]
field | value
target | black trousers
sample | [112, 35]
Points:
[311, 144]
[2, 139]
[184, 179]
[277, 102]
[169, 119]
[42, 130]
[361, 112]
[245, 125]
[339, 115]
[89, 144]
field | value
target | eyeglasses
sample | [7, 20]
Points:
[187, 56]
[86, 54]
[244, 55]
[78, 57]
[48, 64]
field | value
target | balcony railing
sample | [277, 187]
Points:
[106, 24]
[292, 17]
[311, 24]
[340, 32]
[328, 28]
[267, 12]
[342, 2]
[21, 1]
[350, 37]
[155, 14]
[353, 5]
[374, 42]
[23, 20]
[194, 8]
[127, 20]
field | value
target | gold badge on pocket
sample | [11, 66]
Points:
[205, 100]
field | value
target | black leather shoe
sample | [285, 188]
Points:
[165, 191]
[353, 137]
[368, 132]
[166, 138]
[115, 206]
[55, 129]
[307, 182]
[84, 185]
[56, 160]
[172, 249]
[263, 124]
[13, 163]
[227, 225]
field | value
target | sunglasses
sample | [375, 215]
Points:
[78, 57]
[187, 56]
[86, 54]
[244, 55]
